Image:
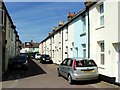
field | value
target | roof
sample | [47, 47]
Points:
[66, 24]
[30, 45]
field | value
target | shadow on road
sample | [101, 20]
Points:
[87, 82]
[18, 73]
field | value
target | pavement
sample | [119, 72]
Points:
[45, 76]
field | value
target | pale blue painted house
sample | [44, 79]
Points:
[81, 34]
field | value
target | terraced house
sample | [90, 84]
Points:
[65, 39]
[94, 33]
[10, 38]
[105, 38]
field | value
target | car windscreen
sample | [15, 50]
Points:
[38, 54]
[85, 63]
[45, 56]
[21, 58]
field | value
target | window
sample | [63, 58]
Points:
[101, 14]
[53, 39]
[65, 62]
[70, 62]
[1, 17]
[66, 34]
[84, 23]
[53, 54]
[84, 50]
[102, 54]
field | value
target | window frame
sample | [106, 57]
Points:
[101, 11]
[102, 52]
[84, 49]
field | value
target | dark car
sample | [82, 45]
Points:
[45, 59]
[19, 61]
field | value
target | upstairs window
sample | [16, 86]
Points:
[1, 17]
[66, 34]
[84, 23]
[101, 14]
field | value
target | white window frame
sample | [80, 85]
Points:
[102, 21]
[84, 24]
[101, 52]
[66, 34]
[84, 48]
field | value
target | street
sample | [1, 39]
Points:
[44, 76]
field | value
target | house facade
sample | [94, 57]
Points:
[80, 43]
[92, 33]
[105, 38]
[29, 47]
[8, 36]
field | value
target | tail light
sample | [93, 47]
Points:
[74, 64]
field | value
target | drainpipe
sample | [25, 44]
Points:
[62, 45]
[87, 8]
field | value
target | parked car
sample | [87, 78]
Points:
[37, 56]
[19, 61]
[78, 69]
[45, 59]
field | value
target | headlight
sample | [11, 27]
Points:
[43, 58]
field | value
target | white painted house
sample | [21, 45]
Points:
[105, 38]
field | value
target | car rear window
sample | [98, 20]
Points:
[85, 63]
[45, 56]
[38, 54]
[21, 58]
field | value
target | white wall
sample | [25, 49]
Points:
[70, 39]
[108, 33]
[58, 47]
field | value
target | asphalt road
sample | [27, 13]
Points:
[44, 76]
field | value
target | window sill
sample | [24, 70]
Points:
[83, 34]
[100, 27]
[66, 40]
[101, 67]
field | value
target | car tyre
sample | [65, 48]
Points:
[58, 71]
[70, 79]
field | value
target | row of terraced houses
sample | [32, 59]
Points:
[10, 43]
[93, 33]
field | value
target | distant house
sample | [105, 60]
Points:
[29, 47]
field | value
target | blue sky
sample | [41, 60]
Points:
[35, 19]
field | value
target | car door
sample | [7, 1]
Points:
[68, 67]
[63, 67]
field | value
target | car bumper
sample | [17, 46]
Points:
[85, 77]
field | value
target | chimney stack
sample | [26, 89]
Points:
[88, 2]
[70, 15]
[55, 28]
[61, 23]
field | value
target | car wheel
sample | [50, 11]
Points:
[42, 62]
[70, 79]
[58, 71]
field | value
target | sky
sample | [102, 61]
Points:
[34, 20]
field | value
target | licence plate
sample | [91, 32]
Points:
[88, 71]
[47, 60]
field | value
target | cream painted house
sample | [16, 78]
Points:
[9, 35]
[105, 38]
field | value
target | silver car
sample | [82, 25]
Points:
[76, 69]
